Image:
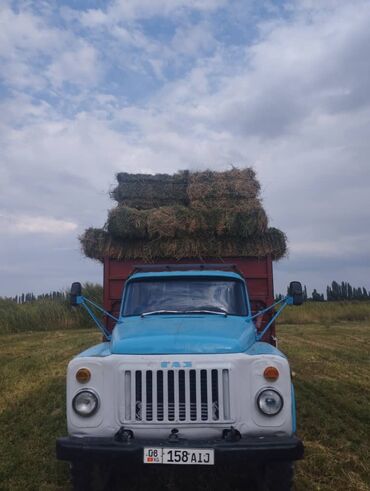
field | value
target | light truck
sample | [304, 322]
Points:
[188, 372]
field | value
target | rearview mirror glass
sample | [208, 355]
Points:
[76, 291]
[295, 290]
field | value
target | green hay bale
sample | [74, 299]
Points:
[145, 191]
[128, 223]
[98, 243]
[179, 221]
[229, 189]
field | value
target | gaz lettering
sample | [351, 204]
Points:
[176, 364]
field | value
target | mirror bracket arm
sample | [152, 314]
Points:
[286, 301]
[80, 300]
[263, 311]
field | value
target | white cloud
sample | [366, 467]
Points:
[295, 102]
[23, 224]
[35, 54]
[129, 10]
[78, 66]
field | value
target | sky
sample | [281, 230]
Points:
[90, 88]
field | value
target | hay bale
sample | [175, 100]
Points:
[127, 223]
[180, 221]
[229, 189]
[145, 191]
[97, 243]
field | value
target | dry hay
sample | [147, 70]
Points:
[180, 221]
[145, 191]
[229, 189]
[186, 215]
[97, 244]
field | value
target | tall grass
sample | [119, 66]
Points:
[326, 313]
[46, 314]
[56, 314]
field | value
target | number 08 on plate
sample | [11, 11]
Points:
[181, 456]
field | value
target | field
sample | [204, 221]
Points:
[331, 376]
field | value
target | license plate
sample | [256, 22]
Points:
[189, 456]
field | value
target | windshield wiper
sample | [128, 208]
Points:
[154, 312]
[204, 311]
[195, 311]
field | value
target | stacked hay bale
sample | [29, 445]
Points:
[185, 215]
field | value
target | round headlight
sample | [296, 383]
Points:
[85, 403]
[270, 402]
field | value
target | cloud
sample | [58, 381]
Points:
[78, 66]
[129, 10]
[23, 224]
[36, 54]
[150, 86]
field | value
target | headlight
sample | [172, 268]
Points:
[85, 403]
[269, 402]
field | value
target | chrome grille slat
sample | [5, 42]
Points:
[176, 395]
[209, 395]
[187, 395]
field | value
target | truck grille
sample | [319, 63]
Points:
[187, 396]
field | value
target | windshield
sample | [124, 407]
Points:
[185, 295]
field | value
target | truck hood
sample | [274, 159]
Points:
[172, 334]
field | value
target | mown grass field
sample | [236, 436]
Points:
[331, 367]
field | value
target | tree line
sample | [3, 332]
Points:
[91, 290]
[31, 297]
[336, 292]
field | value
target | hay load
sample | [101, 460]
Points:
[186, 215]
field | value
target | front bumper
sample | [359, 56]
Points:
[254, 449]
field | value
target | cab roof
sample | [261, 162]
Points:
[187, 274]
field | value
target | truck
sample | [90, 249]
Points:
[188, 372]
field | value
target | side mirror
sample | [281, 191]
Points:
[76, 291]
[296, 292]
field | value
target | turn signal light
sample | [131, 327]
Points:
[271, 374]
[83, 375]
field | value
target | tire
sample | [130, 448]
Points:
[278, 476]
[86, 476]
[81, 476]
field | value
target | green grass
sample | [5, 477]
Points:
[326, 313]
[332, 379]
[332, 390]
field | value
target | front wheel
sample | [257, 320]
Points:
[86, 476]
[278, 476]
[81, 476]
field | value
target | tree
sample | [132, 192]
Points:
[317, 297]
